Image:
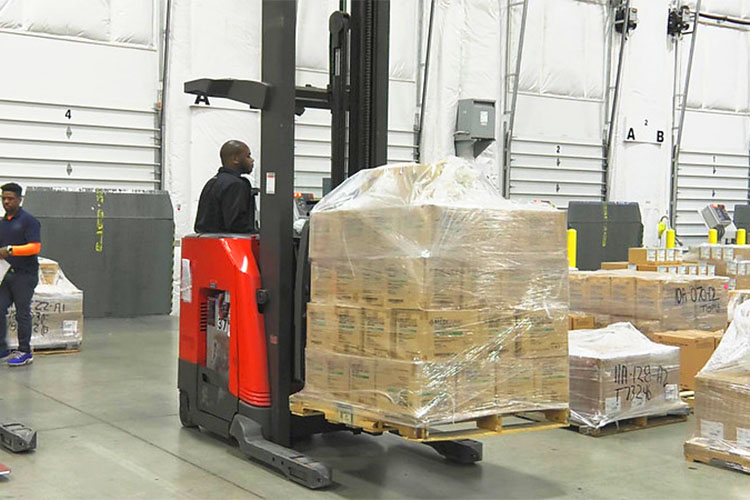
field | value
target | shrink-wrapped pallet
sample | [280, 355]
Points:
[722, 399]
[434, 300]
[651, 301]
[617, 373]
[56, 311]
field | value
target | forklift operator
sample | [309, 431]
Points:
[227, 202]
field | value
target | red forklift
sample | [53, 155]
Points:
[243, 297]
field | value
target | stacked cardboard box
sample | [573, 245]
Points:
[696, 348]
[56, 311]
[651, 301]
[722, 398]
[431, 302]
[617, 373]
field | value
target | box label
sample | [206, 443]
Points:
[670, 255]
[651, 255]
[712, 430]
[612, 405]
[70, 327]
[671, 392]
[661, 255]
[729, 253]
[186, 283]
[743, 438]
[345, 414]
[705, 252]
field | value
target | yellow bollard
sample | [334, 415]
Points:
[572, 247]
[741, 237]
[713, 236]
[670, 238]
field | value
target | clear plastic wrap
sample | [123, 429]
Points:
[736, 298]
[617, 373]
[653, 302]
[56, 311]
[722, 398]
[434, 299]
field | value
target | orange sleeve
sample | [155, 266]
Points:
[27, 249]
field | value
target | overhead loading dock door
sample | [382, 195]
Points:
[714, 163]
[79, 93]
[557, 149]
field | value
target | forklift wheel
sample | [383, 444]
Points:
[185, 411]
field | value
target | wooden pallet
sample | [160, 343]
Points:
[49, 352]
[631, 424]
[700, 453]
[491, 425]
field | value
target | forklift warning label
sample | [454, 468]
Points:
[186, 283]
[271, 183]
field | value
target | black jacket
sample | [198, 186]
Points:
[226, 205]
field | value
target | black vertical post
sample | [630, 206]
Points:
[338, 26]
[277, 191]
[368, 109]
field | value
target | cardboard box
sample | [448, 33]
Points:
[475, 387]
[378, 340]
[423, 283]
[515, 384]
[501, 333]
[541, 334]
[322, 326]
[416, 392]
[642, 256]
[371, 282]
[598, 291]
[612, 266]
[551, 379]
[349, 331]
[323, 281]
[431, 335]
[722, 407]
[580, 321]
[696, 348]
[338, 382]
[363, 375]
[623, 295]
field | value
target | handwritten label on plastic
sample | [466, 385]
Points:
[671, 392]
[712, 430]
[743, 438]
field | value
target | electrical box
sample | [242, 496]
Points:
[476, 120]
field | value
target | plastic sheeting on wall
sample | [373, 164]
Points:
[563, 48]
[121, 21]
[732, 8]
[720, 77]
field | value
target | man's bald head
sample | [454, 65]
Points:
[236, 156]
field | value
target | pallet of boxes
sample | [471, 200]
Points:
[620, 381]
[56, 312]
[722, 401]
[652, 301]
[432, 304]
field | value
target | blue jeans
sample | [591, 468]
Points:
[17, 288]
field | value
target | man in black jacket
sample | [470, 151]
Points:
[227, 203]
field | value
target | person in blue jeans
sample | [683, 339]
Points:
[20, 244]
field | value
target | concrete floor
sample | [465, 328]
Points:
[108, 428]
